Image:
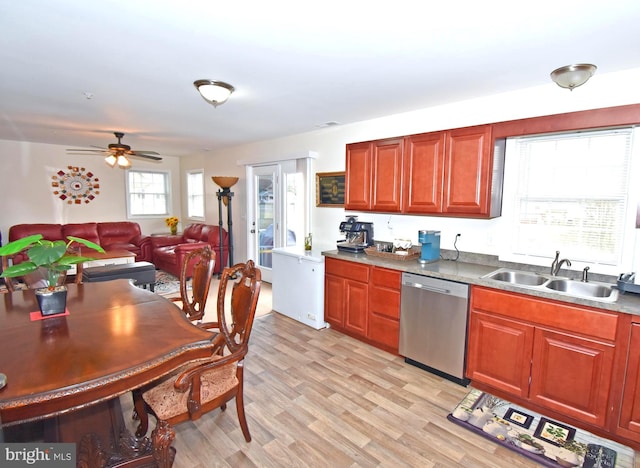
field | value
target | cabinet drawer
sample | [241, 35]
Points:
[579, 319]
[385, 302]
[350, 270]
[384, 331]
[386, 278]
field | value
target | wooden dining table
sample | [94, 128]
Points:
[69, 371]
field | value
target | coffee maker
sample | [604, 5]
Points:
[358, 235]
[430, 241]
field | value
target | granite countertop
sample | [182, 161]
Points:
[469, 268]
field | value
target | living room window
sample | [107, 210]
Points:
[572, 192]
[195, 194]
[147, 193]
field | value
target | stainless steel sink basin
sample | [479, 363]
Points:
[578, 288]
[517, 277]
[588, 290]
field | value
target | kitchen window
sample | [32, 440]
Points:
[572, 192]
[147, 193]
[195, 194]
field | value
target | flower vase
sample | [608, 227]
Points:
[174, 230]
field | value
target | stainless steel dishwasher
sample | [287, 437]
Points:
[433, 325]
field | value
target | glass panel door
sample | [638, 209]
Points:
[266, 216]
[278, 215]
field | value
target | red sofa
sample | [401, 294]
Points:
[120, 235]
[169, 251]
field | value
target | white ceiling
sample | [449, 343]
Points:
[296, 65]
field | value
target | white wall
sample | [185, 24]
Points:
[27, 194]
[482, 236]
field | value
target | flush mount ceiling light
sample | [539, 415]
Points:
[214, 92]
[572, 76]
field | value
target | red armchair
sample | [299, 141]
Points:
[169, 252]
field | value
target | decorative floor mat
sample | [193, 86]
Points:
[550, 443]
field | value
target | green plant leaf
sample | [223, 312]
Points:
[86, 243]
[20, 269]
[19, 245]
[47, 252]
[73, 260]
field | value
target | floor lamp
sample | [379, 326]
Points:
[225, 196]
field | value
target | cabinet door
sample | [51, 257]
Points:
[467, 171]
[387, 175]
[334, 300]
[630, 412]
[572, 375]
[356, 304]
[358, 177]
[499, 352]
[423, 173]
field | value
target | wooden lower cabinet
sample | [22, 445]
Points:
[363, 301]
[346, 295]
[629, 424]
[572, 375]
[554, 355]
[499, 352]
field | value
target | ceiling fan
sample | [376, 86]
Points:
[117, 153]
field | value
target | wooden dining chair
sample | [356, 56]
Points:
[203, 386]
[194, 299]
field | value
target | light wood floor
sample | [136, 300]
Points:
[319, 398]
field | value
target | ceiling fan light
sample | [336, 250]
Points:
[123, 161]
[572, 76]
[111, 160]
[214, 92]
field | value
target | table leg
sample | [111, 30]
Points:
[103, 439]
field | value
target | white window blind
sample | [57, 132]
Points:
[572, 195]
[195, 194]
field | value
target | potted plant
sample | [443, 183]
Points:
[52, 259]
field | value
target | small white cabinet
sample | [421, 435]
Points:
[298, 285]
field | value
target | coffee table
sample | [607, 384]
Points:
[112, 257]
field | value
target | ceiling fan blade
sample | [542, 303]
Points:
[146, 156]
[85, 150]
[142, 152]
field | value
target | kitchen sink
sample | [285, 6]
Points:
[589, 290]
[517, 277]
[578, 288]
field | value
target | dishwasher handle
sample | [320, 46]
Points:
[411, 281]
[427, 288]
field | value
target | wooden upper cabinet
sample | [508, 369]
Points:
[358, 174]
[453, 172]
[468, 170]
[387, 175]
[374, 175]
[423, 173]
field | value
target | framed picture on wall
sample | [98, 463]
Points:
[330, 189]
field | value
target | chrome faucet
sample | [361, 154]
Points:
[585, 274]
[555, 265]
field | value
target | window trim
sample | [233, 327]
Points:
[169, 203]
[204, 205]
